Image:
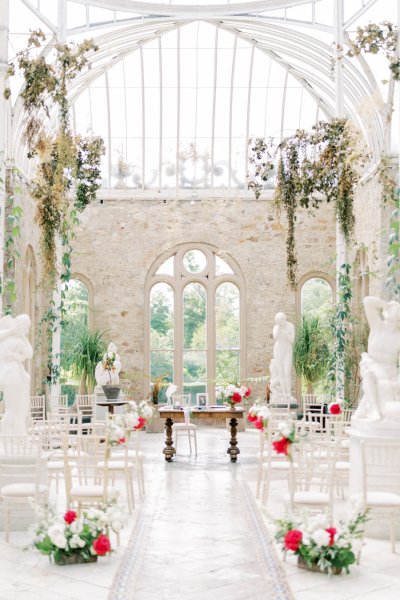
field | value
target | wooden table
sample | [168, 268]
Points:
[111, 403]
[176, 414]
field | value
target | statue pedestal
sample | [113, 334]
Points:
[363, 429]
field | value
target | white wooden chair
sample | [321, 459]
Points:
[381, 482]
[186, 428]
[58, 405]
[86, 471]
[38, 408]
[85, 407]
[22, 476]
[265, 448]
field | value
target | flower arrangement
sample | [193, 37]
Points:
[232, 394]
[75, 538]
[284, 437]
[319, 545]
[259, 415]
[107, 362]
[120, 427]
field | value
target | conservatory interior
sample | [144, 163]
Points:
[199, 312]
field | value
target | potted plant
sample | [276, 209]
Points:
[87, 352]
[311, 351]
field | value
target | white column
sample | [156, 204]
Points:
[4, 18]
[341, 250]
[56, 337]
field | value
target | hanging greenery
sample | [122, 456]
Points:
[378, 37]
[67, 163]
[317, 166]
[262, 161]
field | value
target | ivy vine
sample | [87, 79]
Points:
[13, 214]
[341, 325]
[317, 166]
[378, 37]
[67, 163]
[262, 160]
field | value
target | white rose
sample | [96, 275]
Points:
[317, 522]
[230, 389]
[131, 419]
[321, 537]
[76, 526]
[77, 542]
[56, 535]
[263, 413]
[285, 428]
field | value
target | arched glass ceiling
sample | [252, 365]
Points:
[178, 112]
[150, 68]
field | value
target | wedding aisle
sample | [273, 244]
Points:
[199, 535]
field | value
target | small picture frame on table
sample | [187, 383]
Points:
[201, 399]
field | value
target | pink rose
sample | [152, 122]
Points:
[293, 539]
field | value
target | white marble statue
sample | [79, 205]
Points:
[108, 369]
[379, 366]
[15, 348]
[281, 363]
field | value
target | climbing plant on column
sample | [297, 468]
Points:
[68, 170]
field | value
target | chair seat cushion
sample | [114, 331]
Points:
[309, 497]
[383, 499]
[18, 490]
[116, 464]
[184, 426]
[55, 465]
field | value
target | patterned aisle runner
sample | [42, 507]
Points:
[199, 536]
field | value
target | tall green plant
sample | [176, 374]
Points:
[88, 351]
[311, 351]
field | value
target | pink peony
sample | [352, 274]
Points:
[258, 423]
[141, 423]
[332, 532]
[281, 446]
[247, 393]
[236, 398]
[70, 516]
[101, 545]
[293, 539]
[252, 418]
[335, 409]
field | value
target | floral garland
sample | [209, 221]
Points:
[319, 544]
[259, 416]
[283, 438]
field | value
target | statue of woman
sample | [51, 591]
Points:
[379, 366]
[15, 348]
[283, 334]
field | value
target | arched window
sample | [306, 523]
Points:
[316, 297]
[194, 320]
[76, 319]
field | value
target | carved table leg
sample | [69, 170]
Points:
[169, 449]
[233, 450]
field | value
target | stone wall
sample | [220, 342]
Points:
[119, 239]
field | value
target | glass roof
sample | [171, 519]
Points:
[176, 98]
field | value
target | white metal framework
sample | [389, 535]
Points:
[156, 86]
